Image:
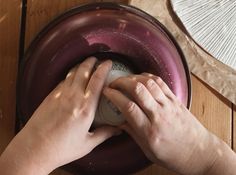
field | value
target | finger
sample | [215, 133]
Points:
[103, 133]
[83, 73]
[139, 92]
[56, 93]
[97, 82]
[152, 87]
[132, 113]
[163, 86]
[70, 76]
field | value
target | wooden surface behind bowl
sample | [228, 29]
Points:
[215, 112]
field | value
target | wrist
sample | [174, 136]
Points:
[24, 156]
[225, 161]
[203, 155]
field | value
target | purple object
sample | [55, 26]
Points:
[105, 30]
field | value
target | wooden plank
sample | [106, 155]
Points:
[39, 13]
[206, 105]
[10, 13]
[234, 128]
[212, 110]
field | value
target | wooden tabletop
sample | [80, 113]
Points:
[214, 112]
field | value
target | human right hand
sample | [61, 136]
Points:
[162, 126]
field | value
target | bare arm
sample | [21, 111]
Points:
[58, 132]
[166, 131]
[225, 161]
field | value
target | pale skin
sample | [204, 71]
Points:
[58, 132]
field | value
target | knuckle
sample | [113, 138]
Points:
[150, 84]
[154, 138]
[156, 142]
[80, 111]
[139, 88]
[158, 79]
[132, 77]
[147, 74]
[160, 82]
[70, 73]
[70, 97]
[99, 75]
[84, 112]
[131, 108]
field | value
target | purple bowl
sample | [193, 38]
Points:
[106, 30]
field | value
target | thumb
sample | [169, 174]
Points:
[103, 133]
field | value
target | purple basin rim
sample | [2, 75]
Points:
[107, 30]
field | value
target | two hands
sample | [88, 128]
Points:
[165, 130]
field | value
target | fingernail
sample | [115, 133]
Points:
[108, 63]
[150, 83]
[92, 57]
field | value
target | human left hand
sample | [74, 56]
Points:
[58, 132]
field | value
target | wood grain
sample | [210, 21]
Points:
[234, 128]
[211, 109]
[40, 12]
[10, 12]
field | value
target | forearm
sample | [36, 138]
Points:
[212, 157]
[20, 158]
[11, 164]
[225, 162]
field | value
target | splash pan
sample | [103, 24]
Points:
[106, 30]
